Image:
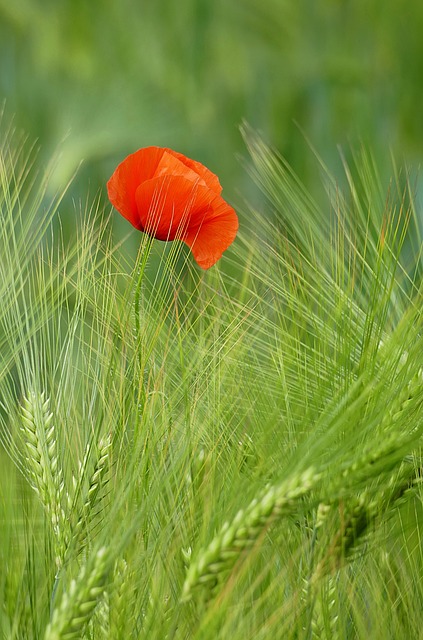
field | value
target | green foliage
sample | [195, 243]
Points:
[228, 454]
[110, 76]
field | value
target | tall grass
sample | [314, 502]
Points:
[199, 455]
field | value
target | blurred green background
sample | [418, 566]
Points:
[99, 79]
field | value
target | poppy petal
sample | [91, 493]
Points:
[165, 205]
[171, 165]
[213, 235]
[136, 168]
[211, 180]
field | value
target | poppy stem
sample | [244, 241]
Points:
[142, 263]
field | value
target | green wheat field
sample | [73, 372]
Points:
[231, 454]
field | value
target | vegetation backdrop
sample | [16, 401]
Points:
[225, 454]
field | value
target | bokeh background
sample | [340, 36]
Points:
[98, 79]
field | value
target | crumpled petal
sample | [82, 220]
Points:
[213, 235]
[211, 180]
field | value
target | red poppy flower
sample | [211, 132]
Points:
[169, 196]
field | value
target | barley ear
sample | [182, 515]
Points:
[97, 479]
[394, 479]
[324, 609]
[120, 599]
[43, 465]
[71, 616]
[212, 563]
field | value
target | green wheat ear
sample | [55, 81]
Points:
[359, 512]
[120, 598]
[43, 464]
[71, 616]
[358, 515]
[216, 560]
[90, 496]
[323, 604]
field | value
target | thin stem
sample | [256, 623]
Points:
[142, 263]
